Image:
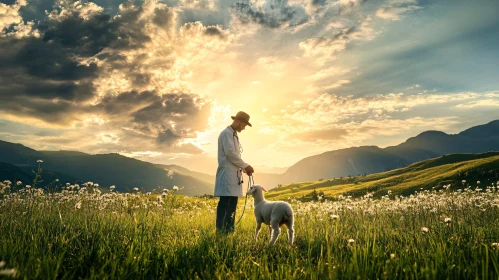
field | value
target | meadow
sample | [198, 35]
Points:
[83, 232]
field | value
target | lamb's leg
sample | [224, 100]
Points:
[258, 227]
[275, 231]
[291, 233]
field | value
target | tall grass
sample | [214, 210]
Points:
[93, 235]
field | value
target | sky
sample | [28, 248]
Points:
[159, 80]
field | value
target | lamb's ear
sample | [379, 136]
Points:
[263, 189]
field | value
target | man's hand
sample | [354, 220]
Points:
[249, 170]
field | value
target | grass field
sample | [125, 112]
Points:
[434, 173]
[83, 233]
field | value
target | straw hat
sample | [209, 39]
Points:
[243, 117]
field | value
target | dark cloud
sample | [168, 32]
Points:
[44, 77]
[8, 2]
[215, 31]
[272, 16]
[168, 137]
[186, 111]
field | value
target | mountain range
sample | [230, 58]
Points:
[17, 162]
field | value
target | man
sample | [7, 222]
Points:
[228, 184]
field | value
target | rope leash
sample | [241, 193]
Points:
[251, 181]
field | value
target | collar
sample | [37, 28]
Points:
[233, 131]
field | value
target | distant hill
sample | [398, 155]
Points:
[105, 169]
[428, 174]
[127, 173]
[371, 159]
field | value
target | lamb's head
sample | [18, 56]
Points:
[256, 190]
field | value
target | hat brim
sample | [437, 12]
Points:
[248, 123]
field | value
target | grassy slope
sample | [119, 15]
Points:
[448, 169]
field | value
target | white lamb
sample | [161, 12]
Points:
[272, 213]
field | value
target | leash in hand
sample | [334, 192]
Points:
[251, 181]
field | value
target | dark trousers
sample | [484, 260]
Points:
[226, 213]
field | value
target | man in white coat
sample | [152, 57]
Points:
[228, 184]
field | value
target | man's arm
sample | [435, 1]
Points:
[230, 151]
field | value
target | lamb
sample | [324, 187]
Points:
[275, 214]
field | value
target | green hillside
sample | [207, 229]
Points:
[437, 172]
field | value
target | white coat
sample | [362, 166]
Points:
[230, 165]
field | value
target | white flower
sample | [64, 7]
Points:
[350, 241]
[57, 180]
[19, 183]
[136, 189]
[39, 161]
[112, 187]
[96, 185]
[389, 192]
[335, 217]
[392, 256]
[78, 205]
[8, 272]
[7, 182]
[175, 188]
[478, 182]
[463, 181]
[28, 186]
[424, 229]
[448, 220]
[495, 244]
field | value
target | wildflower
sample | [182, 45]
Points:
[78, 205]
[448, 220]
[96, 185]
[478, 182]
[463, 181]
[112, 187]
[495, 244]
[8, 272]
[7, 182]
[39, 161]
[175, 188]
[57, 180]
[136, 189]
[424, 229]
[19, 183]
[335, 217]
[389, 192]
[392, 256]
[28, 186]
[350, 241]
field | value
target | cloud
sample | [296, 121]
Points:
[325, 47]
[396, 8]
[90, 70]
[272, 14]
